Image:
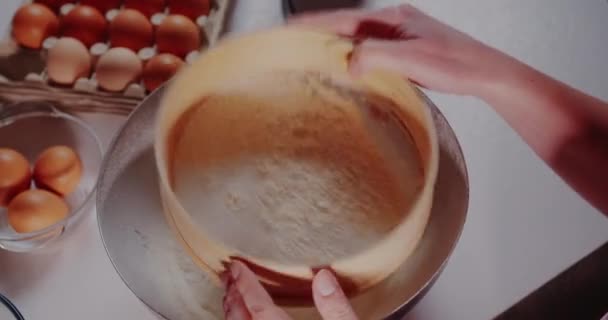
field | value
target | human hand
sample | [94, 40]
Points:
[246, 299]
[408, 41]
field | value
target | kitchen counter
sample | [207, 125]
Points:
[577, 293]
[525, 225]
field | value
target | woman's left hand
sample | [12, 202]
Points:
[246, 299]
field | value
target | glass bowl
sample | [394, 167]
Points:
[8, 310]
[31, 127]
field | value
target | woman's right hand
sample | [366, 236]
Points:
[419, 47]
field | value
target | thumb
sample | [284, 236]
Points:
[330, 299]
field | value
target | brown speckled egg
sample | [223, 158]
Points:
[34, 210]
[54, 4]
[131, 29]
[32, 24]
[147, 7]
[86, 24]
[118, 68]
[177, 35]
[58, 169]
[159, 69]
[190, 8]
[102, 5]
[15, 175]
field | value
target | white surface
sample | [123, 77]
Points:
[524, 225]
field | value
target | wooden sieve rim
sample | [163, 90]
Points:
[275, 50]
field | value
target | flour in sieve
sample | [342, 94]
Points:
[310, 183]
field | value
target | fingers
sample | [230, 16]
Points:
[388, 23]
[248, 285]
[346, 21]
[234, 306]
[414, 60]
[330, 299]
[372, 55]
[246, 299]
[255, 299]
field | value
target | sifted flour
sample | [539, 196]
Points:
[307, 174]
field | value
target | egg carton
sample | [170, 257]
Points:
[23, 72]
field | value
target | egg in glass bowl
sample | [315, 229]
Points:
[49, 164]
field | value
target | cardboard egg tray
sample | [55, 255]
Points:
[23, 71]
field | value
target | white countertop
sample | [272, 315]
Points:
[524, 226]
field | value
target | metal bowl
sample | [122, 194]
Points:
[154, 266]
[8, 310]
[31, 127]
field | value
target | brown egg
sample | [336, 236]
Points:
[32, 24]
[147, 7]
[177, 35]
[53, 4]
[159, 69]
[58, 169]
[118, 68]
[190, 8]
[34, 210]
[15, 175]
[67, 61]
[86, 24]
[131, 29]
[102, 5]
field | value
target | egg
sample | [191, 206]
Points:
[33, 23]
[190, 8]
[34, 210]
[159, 69]
[131, 29]
[147, 7]
[102, 5]
[118, 68]
[58, 169]
[53, 4]
[15, 174]
[67, 61]
[178, 35]
[86, 24]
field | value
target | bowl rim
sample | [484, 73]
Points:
[11, 113]
[11, 307]
[406, 306]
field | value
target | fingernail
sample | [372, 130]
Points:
[235, 270]
[325, 283]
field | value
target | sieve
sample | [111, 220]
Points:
[252, 99]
